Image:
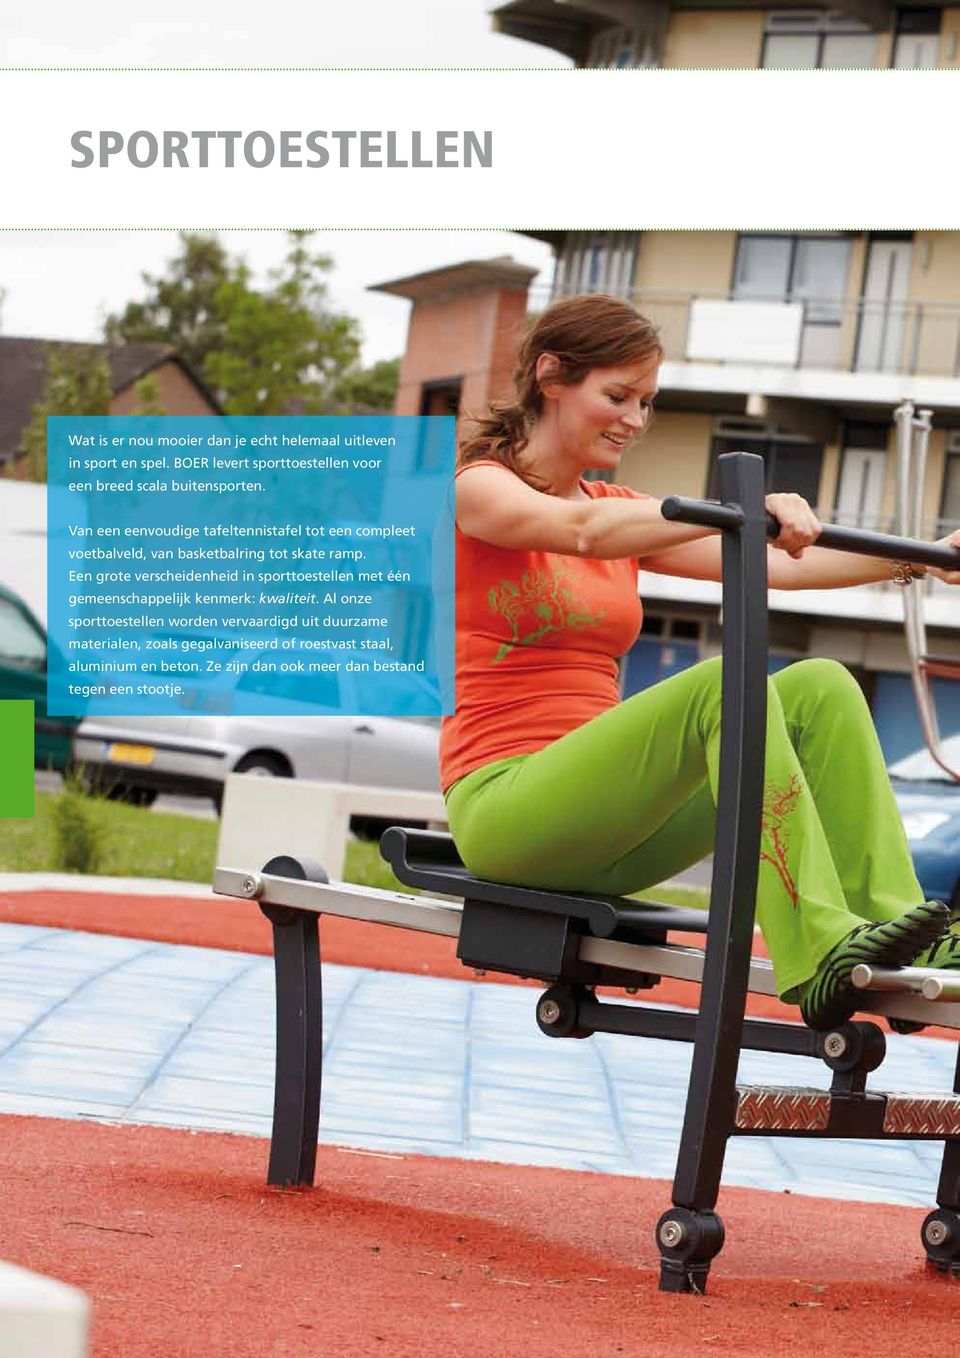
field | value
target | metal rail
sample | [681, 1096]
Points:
[427, 915]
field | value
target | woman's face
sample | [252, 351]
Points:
[595, 419]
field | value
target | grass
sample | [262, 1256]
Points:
[133, 842]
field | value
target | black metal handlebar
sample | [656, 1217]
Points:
[711, 514]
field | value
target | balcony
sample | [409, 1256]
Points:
[728, 340]
[864, 336]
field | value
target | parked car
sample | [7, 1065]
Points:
[137, 757]
[23, 674]
[929, 802]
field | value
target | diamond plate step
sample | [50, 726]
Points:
[773, 1108]
[922, 1115]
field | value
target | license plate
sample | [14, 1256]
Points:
[130, 754]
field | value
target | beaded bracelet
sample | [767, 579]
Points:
[903, 573]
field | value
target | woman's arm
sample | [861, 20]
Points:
[496, 506]
[823, 568]
[792, 563]
[817, 568]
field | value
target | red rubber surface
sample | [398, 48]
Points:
[185, 1252]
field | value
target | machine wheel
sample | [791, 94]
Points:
[558, 1012]
[940, 1234]
[688, 1241]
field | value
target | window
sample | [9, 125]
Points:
[668, 625]
[763, 267]
[816, 38]
[613, 47]
[597, 262]
[21, 645]
[441, 398]
[863, 475]
[884, 306]
[620, 47]
[791, 462]
[916, 43]
[808, 269]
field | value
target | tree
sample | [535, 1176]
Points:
[181, 309]
[370, 390]
[263, 351]
[77, 383]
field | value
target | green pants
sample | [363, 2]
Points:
[629, 798]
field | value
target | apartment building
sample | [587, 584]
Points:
[798, 347]
[724, 34]
[795, 346]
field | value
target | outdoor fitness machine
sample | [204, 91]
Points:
[576, 943]
[913, 435]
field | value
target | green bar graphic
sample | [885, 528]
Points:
[16, 758]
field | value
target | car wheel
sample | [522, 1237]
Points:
[264, 765]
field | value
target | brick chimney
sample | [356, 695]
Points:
[465, 329]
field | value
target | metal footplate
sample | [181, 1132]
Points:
[795, 1111]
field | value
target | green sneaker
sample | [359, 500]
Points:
[829, 997]
[944, 955]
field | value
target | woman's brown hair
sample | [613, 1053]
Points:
[582, 333]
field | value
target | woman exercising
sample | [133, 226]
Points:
[551, 781]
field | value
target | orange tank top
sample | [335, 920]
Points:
[538, 637]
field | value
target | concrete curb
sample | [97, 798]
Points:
[117, 886]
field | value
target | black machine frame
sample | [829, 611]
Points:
[575, 942]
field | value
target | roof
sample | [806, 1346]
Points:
[500, 272]
[568, 26]
[23, 369]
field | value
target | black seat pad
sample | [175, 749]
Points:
[428, 859]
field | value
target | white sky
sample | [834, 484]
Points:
[62, 285]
